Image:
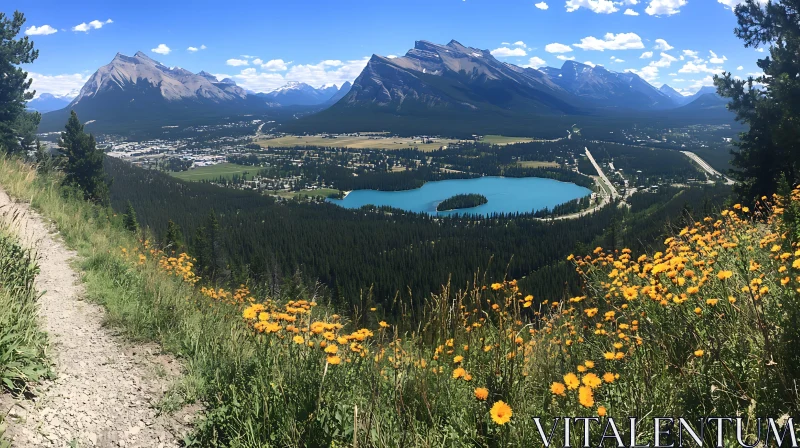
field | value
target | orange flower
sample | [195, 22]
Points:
[481, 393]
[586, 396]
[501, 413]
[571, 380]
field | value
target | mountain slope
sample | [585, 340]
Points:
[674, 94]
[343, 90]
[133, 90]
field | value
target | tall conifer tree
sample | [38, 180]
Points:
[769, 104]
[83, 164]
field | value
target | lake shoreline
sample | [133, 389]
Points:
[506, 195]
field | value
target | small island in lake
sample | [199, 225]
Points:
[462, 201]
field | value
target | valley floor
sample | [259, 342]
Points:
[104, 390]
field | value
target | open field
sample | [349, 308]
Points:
[318, 192]
[354, 142]
[505, 140]
[213, 172]
[537, 164]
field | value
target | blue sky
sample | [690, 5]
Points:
[262, 45]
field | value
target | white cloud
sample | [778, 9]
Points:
[43, 30]
[557, 48]
[535, 62]
[505, 52]
[236, 62]
[195, 49]
[646, 55]
[203, 47]
[276, 65]
[740, 68]
[630, 12]
[565, 58]
[661, 44]
[760, 50]
[714, 59]
[60, 85]
[94, 24]
[257, 61]
[161, 49]
[693, 67]
[541, 5]
[598, 6]
[664, 7]
[665, 61]
[324, 73]
[690, 53]
[616, 60]
[611, 41]
[520, 43]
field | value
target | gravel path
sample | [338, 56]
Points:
[104, 389]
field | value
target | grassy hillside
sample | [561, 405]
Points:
[706, 326]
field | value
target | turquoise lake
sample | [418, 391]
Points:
[505, 195]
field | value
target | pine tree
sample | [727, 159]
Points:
[200, 250]
[45, 162]
[173, 240]
[769, 103]
[16, 125]
[130, 221]
[216, 261]
[83, 165]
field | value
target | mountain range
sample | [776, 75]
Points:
[47, 102]
[447, 82]
[302, 94]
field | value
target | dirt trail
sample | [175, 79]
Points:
[104, 389]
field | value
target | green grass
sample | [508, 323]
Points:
[23, 345]
[213, 172]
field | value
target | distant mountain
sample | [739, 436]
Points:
[603, 88]
[47, 102]
[705, 90]
[467, 90]
[343, 90]
[706, 101]
[452, 78]
[300, 94]
[674, 94]
[132, 90]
